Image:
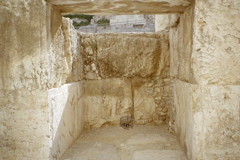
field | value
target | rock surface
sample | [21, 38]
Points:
[206, 85]
[216, 39]
[66, 117]
[121, 6]
[72, 55]
[106, 101]
[152, 100]
[140, 143]
[125, 55]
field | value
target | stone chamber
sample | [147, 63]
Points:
[57, 84]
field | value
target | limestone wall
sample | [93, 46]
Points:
[24, 71]
[181, 69]
[216, 67]
[38, 52]
[204, 48]
[66, 117]
[126, 75]
[64, 100]
[125, 55]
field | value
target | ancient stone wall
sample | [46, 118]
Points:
[64, 100]
[126, 75]
[39, 51]
[24, 74]
[204, 44]
[181, 70]
[66, 117]
[216, 67]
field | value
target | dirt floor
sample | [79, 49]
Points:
[143, 142]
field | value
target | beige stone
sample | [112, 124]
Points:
[66, 117]
[216, 42]
[24, 53]
[162, 22]
[121, 6]
[72, 51]
[142, 142]
[24, 128]
[151, 104]
[41, 115]
[203, 118]
[181, 46]
[106, 101]
[125, 55]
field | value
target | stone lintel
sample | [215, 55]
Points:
[106, 7]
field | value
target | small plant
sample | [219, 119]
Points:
[103, 22]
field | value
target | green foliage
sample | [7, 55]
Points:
[75, 24]
[79, 16]
[103, 22]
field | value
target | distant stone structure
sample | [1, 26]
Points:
[120, 23]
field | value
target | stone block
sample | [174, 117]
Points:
[106, 101]
[207, 120]
[221, 132]
[216, 39]
[125, 55]
[66, 116]
[24, 128]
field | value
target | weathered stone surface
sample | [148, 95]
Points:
[181, 46]
[159, 155]
[184, 125]
[145, 142]
[57, 61]
[106, 101]
[32, 60]
[121, 6]
[72, 51]
[125, 55]
[207, 120]
[221, 129]
[24, 60]
[24, 127]
[216, 38]
[66, 117]
[152, 100]
[36, 56]
[24, 70]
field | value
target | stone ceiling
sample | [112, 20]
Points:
[106, 7]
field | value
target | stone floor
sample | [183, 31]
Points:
[143, 142]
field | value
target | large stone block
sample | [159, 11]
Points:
[24, 128]
[66, 117]
[216, 38]
[180, 39]
[125, 55]
[184, 126]
[207, 120]
[106, 101]
[124, 7]
[221, 132]
[24, 54]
